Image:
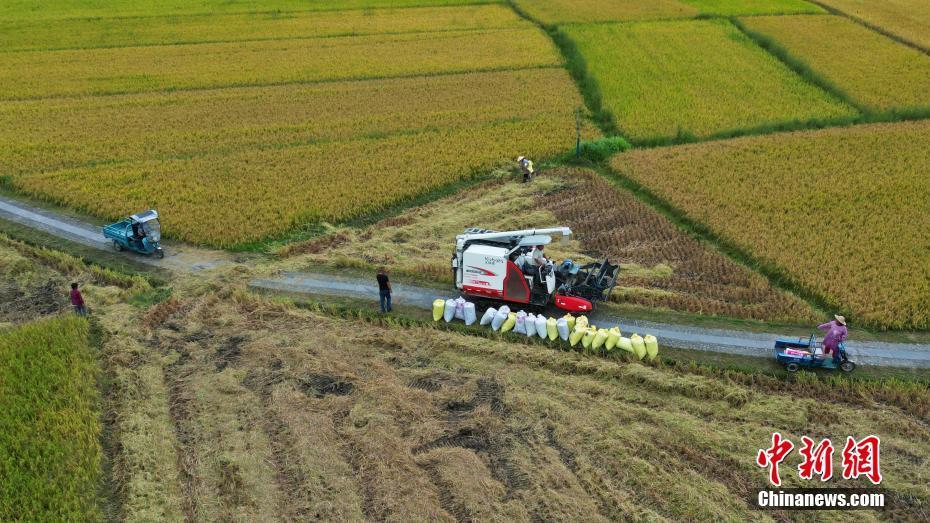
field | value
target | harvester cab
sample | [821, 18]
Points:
[500, 266]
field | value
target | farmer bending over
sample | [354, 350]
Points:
[526, 166]
[836, 334]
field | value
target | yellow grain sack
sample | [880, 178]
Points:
[639, 347]
[570, 320]
[581, 321]
[626, 345]
[576, 335]
[439, 306]
[552, 329]
[613, 336]
[599, 339]
[509, 322]
[588, 338]
[652, 346]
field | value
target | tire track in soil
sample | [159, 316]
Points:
[180, 412]
[570, 461]
[288, 474]
[447, 501]
[350, 453]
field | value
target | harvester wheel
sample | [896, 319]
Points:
[117, 246]
[847, 366]
[792, 367]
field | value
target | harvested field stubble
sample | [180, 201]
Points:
[670, 269]
[877, 72]
[104, 32]
[840, 213]
[672, 86]
[662, 266]
[40, 74]
[43, 135]
[508, 430]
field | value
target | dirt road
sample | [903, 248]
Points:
[192, 259]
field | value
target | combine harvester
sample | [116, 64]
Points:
[497, 266]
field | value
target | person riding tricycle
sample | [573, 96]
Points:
[809, 353]
[140, 233]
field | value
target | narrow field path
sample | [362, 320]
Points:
[192, 259]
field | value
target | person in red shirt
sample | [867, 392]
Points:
[77, 301]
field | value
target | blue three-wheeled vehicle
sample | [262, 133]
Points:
[799, 353]
[139, 233]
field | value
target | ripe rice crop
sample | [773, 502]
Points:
[754, 7]
[38, 74]
[49, 422]
[907, 19]
[701, 77]
[676, 271]
[841, 213]
[51, 134]
[247, 196]
[568, 11]
[57, 9]
[112, 32]
[874, 70]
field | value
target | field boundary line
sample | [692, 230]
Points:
[281, 83]
[776, 276]
[798, 66]
[868, 25]
[577, 68]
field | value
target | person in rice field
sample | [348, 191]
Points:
[384, 290]
[77, 301]
[526, 167]
[836, 334]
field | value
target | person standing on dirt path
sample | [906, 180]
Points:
[526, 166]
[836, 334]
[384, 289]
[77, 301]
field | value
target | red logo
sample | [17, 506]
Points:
[773, 456]
[861, 459]
[816, 460]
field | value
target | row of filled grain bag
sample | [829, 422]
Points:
[575, 331]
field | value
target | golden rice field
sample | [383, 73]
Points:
[57, 9]
[874, 70]
[907, 19]
[247, 196]
[93, 32]
[50, 453]
[39, 74]
[50, 134]
[842, 213]
[753, 7]
[570, 11]
[671, 84]
[581, 11]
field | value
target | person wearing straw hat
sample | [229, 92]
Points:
[526, 166]
[836, 334]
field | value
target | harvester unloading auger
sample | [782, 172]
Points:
[498, 265]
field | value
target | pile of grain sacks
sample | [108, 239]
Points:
[568, 329]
